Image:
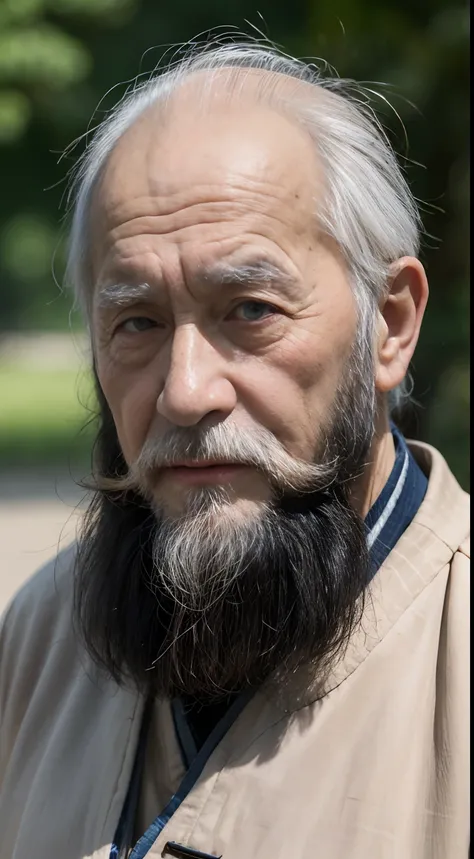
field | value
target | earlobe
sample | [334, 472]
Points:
[401, 313]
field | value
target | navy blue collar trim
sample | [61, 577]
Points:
[147, 840]
[397, 504]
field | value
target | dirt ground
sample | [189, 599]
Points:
[38, 514]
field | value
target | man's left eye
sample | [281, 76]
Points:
[136, 324]
[253, 311]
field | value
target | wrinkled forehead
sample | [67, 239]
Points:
[215, 145]
[214, 140]
[220, 104]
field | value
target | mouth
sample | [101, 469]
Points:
[204, 472]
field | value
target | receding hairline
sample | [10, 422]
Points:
[221, 90]
[245, 81]
[221, 87]
[224, 83]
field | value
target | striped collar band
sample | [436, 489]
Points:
[397, 504]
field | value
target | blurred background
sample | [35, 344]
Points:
[58, 60]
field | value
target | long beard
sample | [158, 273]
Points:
[285, 592]
[176, 612]
[206, 605]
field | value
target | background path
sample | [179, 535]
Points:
[39, 512]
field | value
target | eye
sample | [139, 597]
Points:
[253, 311]
[137, 324]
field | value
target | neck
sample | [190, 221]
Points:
[381, 459]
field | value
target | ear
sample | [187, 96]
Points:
[401, 314]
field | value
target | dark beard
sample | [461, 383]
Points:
[294, 597]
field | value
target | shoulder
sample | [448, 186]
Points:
[445, 510]
[45, 596]
[37, 627]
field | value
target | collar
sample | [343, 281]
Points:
[397, 504]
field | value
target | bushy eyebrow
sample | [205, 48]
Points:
[220, 274]
[122, 294]
[261, 271]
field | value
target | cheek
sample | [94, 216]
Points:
[291, 389]
[132, 400]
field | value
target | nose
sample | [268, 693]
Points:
[195, 385]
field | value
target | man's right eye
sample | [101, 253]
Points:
[137, 324]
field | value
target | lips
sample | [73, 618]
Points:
[204, 472]
[204, 463]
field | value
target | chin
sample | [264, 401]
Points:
[236, 503]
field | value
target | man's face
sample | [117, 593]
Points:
[215, 299]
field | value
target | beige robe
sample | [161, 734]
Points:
[374, 766]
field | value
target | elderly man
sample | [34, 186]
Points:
[258, 647]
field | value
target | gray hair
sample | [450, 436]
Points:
[368, 207]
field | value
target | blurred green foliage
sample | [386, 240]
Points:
[59, 57]
[44, 416]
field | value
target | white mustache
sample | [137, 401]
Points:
[229, 443]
